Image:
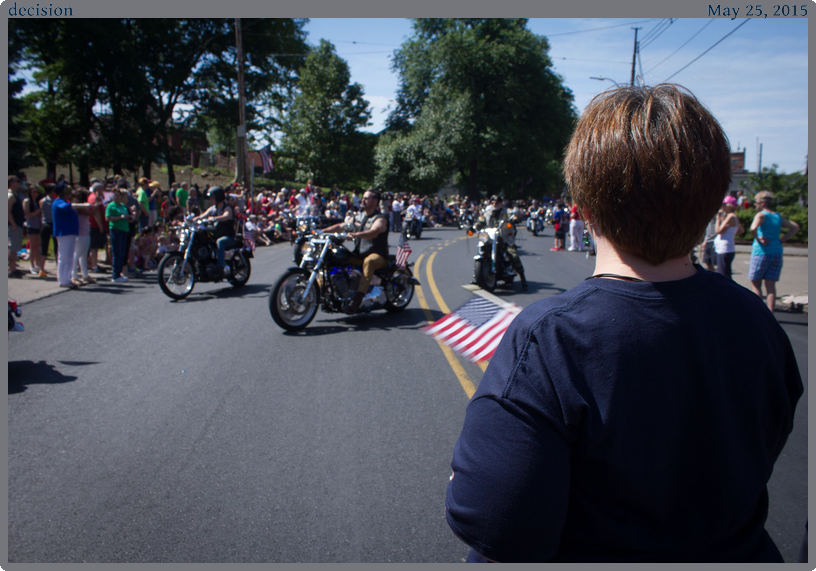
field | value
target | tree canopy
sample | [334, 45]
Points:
[110, 90]
[478, 101]
[787, 188]
[321, 136]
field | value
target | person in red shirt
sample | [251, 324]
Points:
[99, 234]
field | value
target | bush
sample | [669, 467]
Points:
[792, 213]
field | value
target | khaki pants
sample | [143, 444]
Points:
[370, 264]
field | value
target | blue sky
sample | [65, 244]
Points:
[754, 80]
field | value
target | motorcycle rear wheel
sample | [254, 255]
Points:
[398, 291]
[176, 277]
[240, 272]
[485, 279]
[287, 310]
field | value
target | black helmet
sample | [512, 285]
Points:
[217, 193]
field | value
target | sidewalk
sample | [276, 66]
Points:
[31, 288]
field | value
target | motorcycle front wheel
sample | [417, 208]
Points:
[287, 308]
[485, 279]
[399, 291]
[176, 277]
[240, 272]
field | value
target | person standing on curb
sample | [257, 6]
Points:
[47, 229]
[33, 226]
[766, 254]
[66, 230]
[16, 219]
[728, 225]
[118, 217]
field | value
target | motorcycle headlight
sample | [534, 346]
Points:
[307, 249]
[484, 236]
[303, 226]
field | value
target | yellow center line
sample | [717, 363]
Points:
[455, 365]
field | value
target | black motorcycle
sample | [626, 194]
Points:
[304, 228]
[196, 260]
[492, 263]
[327, 279]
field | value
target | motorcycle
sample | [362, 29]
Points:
[14, 314]
[465, 220]
[548, 216]
[492, 263]
[534, 222]
[196, 260]
[327, 279]
[412, 226]
[305, 227]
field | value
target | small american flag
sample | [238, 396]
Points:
[266, 159]
[403, 251]
[475, 329]
[249, 241]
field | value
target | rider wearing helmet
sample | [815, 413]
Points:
[221, 213]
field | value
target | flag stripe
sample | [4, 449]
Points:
[496, 330]
[475, 329]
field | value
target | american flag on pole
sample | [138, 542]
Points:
[403, 251]
[266, 159]
[475, 329]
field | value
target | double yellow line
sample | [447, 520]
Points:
[453, 361]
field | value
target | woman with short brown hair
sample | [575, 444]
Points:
[619, 420]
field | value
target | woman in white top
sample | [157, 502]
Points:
[727, 226]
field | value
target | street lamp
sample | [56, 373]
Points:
[602, 78]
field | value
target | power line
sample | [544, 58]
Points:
[651, 33]
[653, 38]
[684, 45]
[598, 29]
[708, 50]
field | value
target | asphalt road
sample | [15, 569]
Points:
[147, 430]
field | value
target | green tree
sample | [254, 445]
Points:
[19, 157]
[787, 188]
[274, 49]
[321, 127]
[492, 81]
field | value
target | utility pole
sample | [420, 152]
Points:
[241, 139]
[634, 57]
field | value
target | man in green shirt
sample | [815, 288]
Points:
[117, 215]
[181, 196]
[143, 196]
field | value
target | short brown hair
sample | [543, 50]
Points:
[765, 197]
[652, 166]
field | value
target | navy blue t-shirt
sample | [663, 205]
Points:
[625, 421]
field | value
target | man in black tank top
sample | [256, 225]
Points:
[371, 243]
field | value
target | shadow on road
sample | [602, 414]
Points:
[24, 373]
[377, 321]
[249, 290]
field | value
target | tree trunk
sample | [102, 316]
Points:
[84, 175]
[146, 169]
[168, 157]
[472, 189]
